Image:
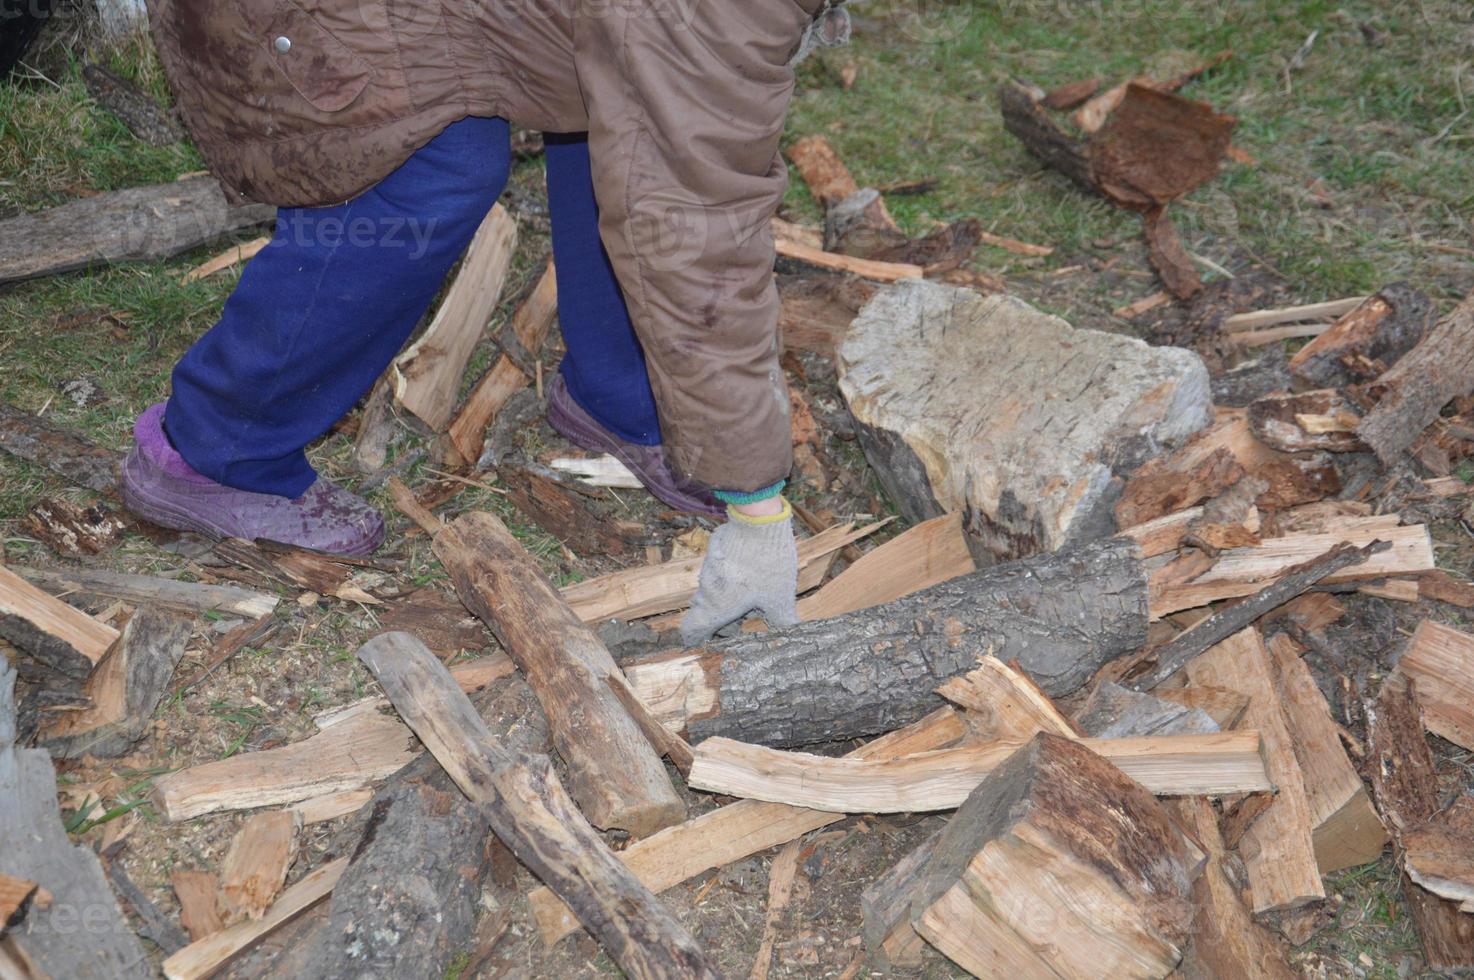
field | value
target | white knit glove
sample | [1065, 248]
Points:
[751, 564]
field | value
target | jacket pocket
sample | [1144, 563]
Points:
[323, 70]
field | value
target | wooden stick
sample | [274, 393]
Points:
[1240, 322]
[1169, 765]
[614, 773]
[1168, 659]
[740, 829]
[204, 957]
[234, 255]
[189, 596]
[864, 268]
[524, 802]
[427, 375]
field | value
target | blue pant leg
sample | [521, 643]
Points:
[320, 312]
[605, 364]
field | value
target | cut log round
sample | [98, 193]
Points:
[1060, 616]
[984, 405]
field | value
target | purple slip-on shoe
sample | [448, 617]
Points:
[647, 463]
[157, 484]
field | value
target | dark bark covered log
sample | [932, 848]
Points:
[81, 934]
[409, 899]
[59, 450]
[1415, 389]
[520, 796]
[134, 107]
[152, 222]
[1060, 615]
[614, 773]
[1026, 119]
[1362, 343]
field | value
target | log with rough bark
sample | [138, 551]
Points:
[983, 405]
[255, 865]
[740, 829]
[1366, 339]
[427, 376]
[231, 600]
[57, 449]
[1440, 660]
[1226, 941]
[521, 798]
[1058, 865]
[1405, 783]
[60, 636]
[80, 934]
[1411, 393]
[1168, 765]
[123, 689]
[1345, 828]
[1278, 848]
[614, 773]
[139, 223]
[1060, 616]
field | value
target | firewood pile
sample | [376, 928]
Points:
[1099, 649]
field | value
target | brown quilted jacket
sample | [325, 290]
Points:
[309, 102]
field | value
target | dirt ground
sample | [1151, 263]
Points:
[1361, 176]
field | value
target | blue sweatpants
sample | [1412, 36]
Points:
[321, 311]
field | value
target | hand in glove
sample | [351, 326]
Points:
[751, 564]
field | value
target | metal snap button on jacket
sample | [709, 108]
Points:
[282, 44]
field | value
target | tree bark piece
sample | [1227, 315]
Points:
[1440, 661]
[1405, 783]
[135, 108]
[1164, 248]
[1345, 828]
[614, 773]
[1157, 665]
[375, 427]
[740, 829]
[1056, 813]
[1413, 391]
[1278, 849]
[349, 755]
[427, 376]
[890, 938]
[124, 689]
[1437, 854]
[1025, 118]
[204, 957]
[780, 889]
[1114, 711]
[1243, 571]
[563, 514]
[930, 553]
[255, 866]
[1060, 616]
[81, 934]
[198, 910]
[521, 798]
[1377, 331]
[1227, 941]
[188, 596]
[60, 636]
[985, 406]
[1168, 765]
[138, 223]
[73, 530]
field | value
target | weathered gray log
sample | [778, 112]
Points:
[411, 895]
[124, 689]
[986, 406]
[81, 934]
[59, 450]
[152, 222]
[1060, 615]
[521, 798]
[1414, 390]
[189, 596]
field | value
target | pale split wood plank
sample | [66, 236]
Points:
[1440, 660]
[931, 552]
[1227, 762]
[60, 635]
[255, 866]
